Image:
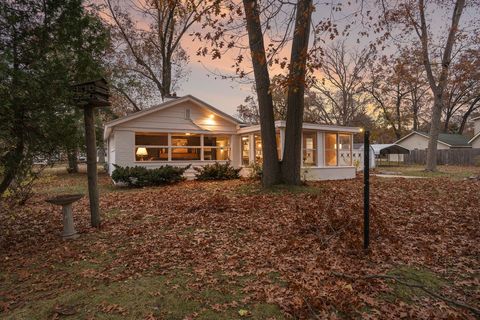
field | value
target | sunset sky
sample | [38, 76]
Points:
[204, 79]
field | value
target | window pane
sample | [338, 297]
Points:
[331, 149]
[188, 139]
[258, 149]
[279, 146]
[217, 154]
[151, 139]
[216, 141]
[245, 150]
[186, 153]
[151, 154]
[344, 150]
[309, 148]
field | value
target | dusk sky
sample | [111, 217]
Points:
[204, 78]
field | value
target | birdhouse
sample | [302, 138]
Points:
[92, 93]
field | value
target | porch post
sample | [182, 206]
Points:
[251, 152]
[201, 148]
[169, 147]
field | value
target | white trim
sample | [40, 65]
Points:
[474, 137]
[305, 126]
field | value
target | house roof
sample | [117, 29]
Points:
[448, 139]
[165, 105]
[306, 125]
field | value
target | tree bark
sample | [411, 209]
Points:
[89, 113]
[72, 161]
[271, 166]
[438, 89]
[292, 156]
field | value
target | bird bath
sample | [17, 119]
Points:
[66, 201]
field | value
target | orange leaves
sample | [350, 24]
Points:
[279, 246]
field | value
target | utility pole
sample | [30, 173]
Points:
[90, 95]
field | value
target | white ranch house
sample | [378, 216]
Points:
[186, 131]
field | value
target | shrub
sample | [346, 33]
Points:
[256, 171]
[143, 177]
[217, 171]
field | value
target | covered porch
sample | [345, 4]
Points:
[326, 150]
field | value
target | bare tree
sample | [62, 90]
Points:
[462, 96]
[341, 93]
[151, 56]
[412, 14]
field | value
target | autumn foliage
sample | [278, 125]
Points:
[290, 243]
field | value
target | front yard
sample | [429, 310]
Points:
[227, 250]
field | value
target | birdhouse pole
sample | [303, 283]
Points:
[90, 95]
[91, 143]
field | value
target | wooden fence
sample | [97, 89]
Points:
[451, 156]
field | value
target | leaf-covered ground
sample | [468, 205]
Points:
[225, 250]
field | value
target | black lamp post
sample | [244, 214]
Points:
[90, 95]
[366, 189]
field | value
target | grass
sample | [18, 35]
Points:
[453, 172]
[165, 296]
[256, 188]
[421, 276]
[112, 273]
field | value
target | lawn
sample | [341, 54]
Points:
[228, 250]
[454, 172]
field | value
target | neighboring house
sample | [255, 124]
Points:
[419, 141]
[187, 131]
[475, 141]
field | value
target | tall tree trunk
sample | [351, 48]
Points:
[166, 78]
[72, 156]
[292, 156]
[271, 166]
[438, 89]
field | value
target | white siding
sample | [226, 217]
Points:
[111, 153]
[476, 127]
[416, 141]
[124, 148]
[476, 143]
[173, 118]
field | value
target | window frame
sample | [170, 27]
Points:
[314, 149]
[170, 147]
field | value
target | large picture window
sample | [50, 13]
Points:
[182, 147]
[258, 149]
[186, 147]
[151, 146]
[338, 149]
[309, 148]
[331, 149]
[245, 150]
[344, 150]
[216, 148]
